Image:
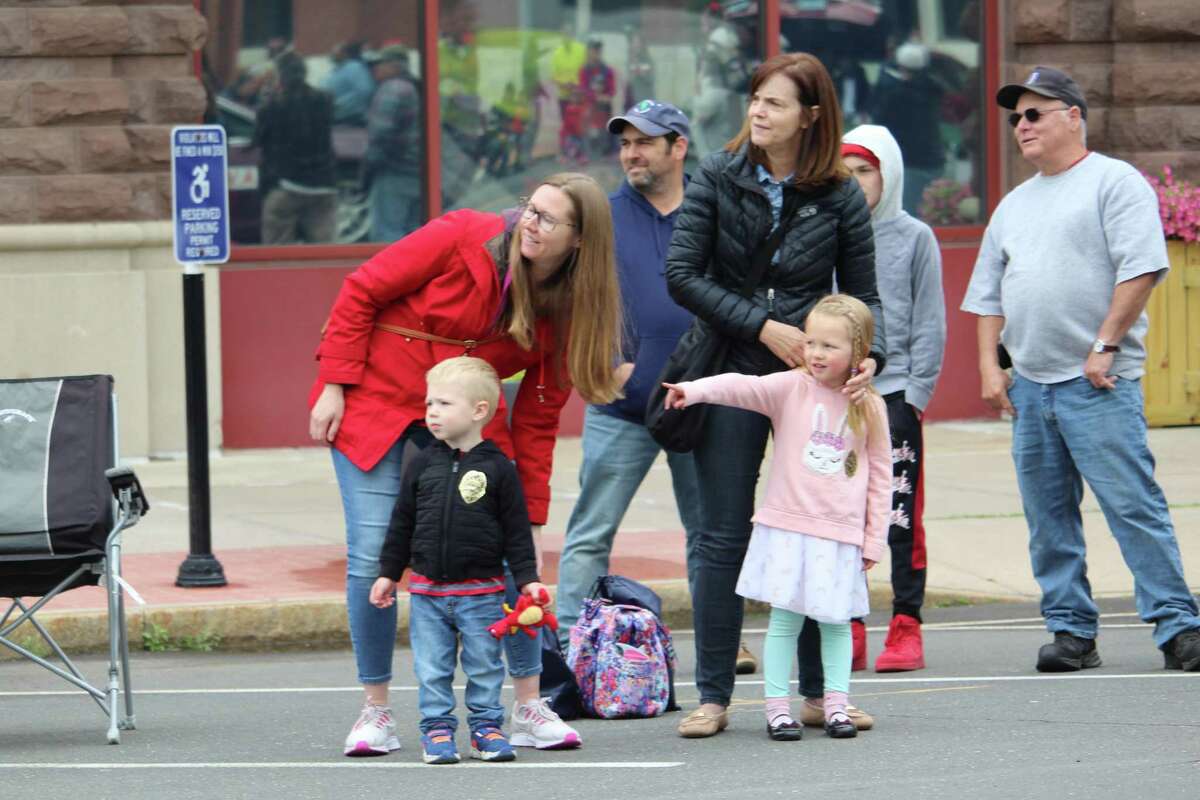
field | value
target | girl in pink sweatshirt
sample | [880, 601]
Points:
[824, 518]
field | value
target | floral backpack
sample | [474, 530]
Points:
[623, 660]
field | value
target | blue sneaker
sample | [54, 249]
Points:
[437, 747]
[488, 743]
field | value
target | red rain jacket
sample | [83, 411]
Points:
[440, 279]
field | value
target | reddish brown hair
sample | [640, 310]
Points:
[819, 160]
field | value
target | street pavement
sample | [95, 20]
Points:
[978, 723]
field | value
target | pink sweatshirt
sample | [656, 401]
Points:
[824, 480]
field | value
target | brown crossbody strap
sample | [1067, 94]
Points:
[466, 344]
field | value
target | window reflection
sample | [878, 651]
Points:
[531, 85]
[525, 88]
[914, 66]
[323, 112]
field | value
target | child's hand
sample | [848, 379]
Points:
[675, 396]
[537, 592]
[383, 592]
[867, 564]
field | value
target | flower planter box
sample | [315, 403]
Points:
[1172, 382]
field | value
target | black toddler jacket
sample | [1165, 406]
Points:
[459, 516]
[726, 214]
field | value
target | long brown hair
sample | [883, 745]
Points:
[860, 324]
[582, 296]
[819, 158]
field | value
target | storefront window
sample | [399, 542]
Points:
[324, 116]
[915, 67]
[527, 86]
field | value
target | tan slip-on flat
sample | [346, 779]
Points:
[814, 716]
[700, 724]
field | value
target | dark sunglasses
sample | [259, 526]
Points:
[1032, 114]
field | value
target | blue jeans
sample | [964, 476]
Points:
[617, 454]
[437, 627]
[367, 501]
[395, 206]
[1069, 432]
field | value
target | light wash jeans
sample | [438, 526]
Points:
[617, 454]
[1069, 432]
[437, 627]
[395, 206]
[367, 501]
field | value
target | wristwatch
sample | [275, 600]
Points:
[1100, 346]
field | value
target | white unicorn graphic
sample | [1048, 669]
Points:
[826, 451]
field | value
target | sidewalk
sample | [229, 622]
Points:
[277, 531]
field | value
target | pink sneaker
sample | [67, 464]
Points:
[374, 734]
[535, 724]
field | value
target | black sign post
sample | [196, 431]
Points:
[200, 207]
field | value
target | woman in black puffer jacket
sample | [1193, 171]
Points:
[787, 156]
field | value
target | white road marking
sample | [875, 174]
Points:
[356, 764]
[1125, 676]
[1015, 623]
[1003, 678]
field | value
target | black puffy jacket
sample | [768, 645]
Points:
[459, 516]
[724, 217]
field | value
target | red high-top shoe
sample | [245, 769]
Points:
[903, 649]
[858, 636]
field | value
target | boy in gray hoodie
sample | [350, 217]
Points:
[908, 269]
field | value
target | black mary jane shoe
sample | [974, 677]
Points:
[840, 728]
[788, 731]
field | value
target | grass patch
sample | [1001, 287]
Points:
[35, 644]
[157, 639]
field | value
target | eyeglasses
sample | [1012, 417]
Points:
[545, 222]
[1032, 114]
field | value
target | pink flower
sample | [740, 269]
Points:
[945, 202]
[1178, 205]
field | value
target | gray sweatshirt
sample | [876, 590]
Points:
[1052, 256]
[908, 271]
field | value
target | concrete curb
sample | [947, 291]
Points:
[318, 623]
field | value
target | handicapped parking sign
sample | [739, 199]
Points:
[200, 195]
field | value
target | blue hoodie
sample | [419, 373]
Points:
[653, 322]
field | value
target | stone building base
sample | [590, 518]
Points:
[107, 298]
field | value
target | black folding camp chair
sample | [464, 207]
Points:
[63, 506]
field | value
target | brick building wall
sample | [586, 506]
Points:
[88, 94]
[1138, 62]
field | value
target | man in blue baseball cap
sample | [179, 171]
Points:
[617, 449]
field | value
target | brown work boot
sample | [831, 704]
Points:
[747, 663]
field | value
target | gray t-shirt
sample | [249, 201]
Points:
[1055, 249]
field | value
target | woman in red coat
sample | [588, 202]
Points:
[533, 290]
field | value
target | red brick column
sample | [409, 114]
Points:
[88, 94]
[1138, 61]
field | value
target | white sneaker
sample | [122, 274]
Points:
[374, 734]
[535, 724]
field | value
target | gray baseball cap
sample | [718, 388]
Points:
[1048, 82]
[653, 119]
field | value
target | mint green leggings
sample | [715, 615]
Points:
[779, 652]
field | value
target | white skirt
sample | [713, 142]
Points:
[819, 578]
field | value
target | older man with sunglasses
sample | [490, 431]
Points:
[1067, 263]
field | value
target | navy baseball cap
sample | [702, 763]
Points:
[653, 119]
[1048, 82]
